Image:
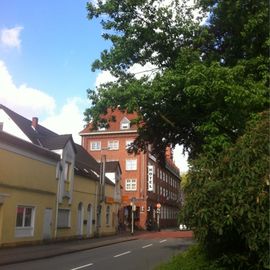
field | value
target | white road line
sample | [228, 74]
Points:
[83, 266]
[163, 241]
[147, 246]
[118, 255]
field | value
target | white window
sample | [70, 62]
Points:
[131, 164]
[113, 145]
[67, 176]
[125, 123]
[95, 146]
[63, 220]
[24, 221]
[131, 184]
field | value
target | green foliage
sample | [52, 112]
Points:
[227, 199]
[238, 28]
[206, 83]
[192, 259]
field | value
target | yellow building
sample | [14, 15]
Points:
[66, 195]
[27, 191]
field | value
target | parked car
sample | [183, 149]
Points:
[182, 227]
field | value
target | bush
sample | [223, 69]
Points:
[192, 259]
[227, 200]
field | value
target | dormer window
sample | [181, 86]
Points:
[125, 123]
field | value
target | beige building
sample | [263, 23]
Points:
[55, 193]
[27, 191]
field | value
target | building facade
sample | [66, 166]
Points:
[145, 183]
[27, 191]
[50, 186]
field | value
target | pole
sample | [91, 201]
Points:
[102, 177]
[158, 213]
[133, 209]
[132, 221]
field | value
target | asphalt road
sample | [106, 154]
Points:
[142, 254]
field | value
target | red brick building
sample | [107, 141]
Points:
[144, 180]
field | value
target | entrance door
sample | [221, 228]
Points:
[89, 220]
[47, 224]
[80, 219]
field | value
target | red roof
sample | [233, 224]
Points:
[119, 116]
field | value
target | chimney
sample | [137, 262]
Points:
[34, 122]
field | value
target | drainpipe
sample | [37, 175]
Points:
[58, 178]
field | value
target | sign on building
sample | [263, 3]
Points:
[150, 178]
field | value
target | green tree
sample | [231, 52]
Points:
[208, 81]
[227, 199]
[204, 90]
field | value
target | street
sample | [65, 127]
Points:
[141, 254]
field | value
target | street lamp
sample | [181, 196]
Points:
[101, 189]
[133, 209]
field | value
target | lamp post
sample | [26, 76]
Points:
[158, 215]
[133, 209]
[101, 188]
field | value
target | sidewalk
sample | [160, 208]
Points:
[28, 253]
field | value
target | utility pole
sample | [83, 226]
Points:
[101, 191]
[102, 177]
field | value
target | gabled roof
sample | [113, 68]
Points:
[112, 166]
[85, 164]
[57, 141]
[9, 139]
[114, 126]
[34, 135]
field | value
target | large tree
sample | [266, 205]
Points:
[207, 79]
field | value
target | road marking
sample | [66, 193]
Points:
[118, 255]
[163, 241]
[147, 246]
[83, 266]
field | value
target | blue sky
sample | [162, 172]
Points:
[46, 51]
[58, 45]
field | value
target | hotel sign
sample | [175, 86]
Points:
[150, 178]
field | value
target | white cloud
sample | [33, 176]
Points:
[23, 98]
[137, 69]
[30, 102]
[180, 159]
[104, 77]
[69, 120]
[10, 37]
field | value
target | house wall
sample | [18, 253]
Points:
[83, 211]
[26, 180]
